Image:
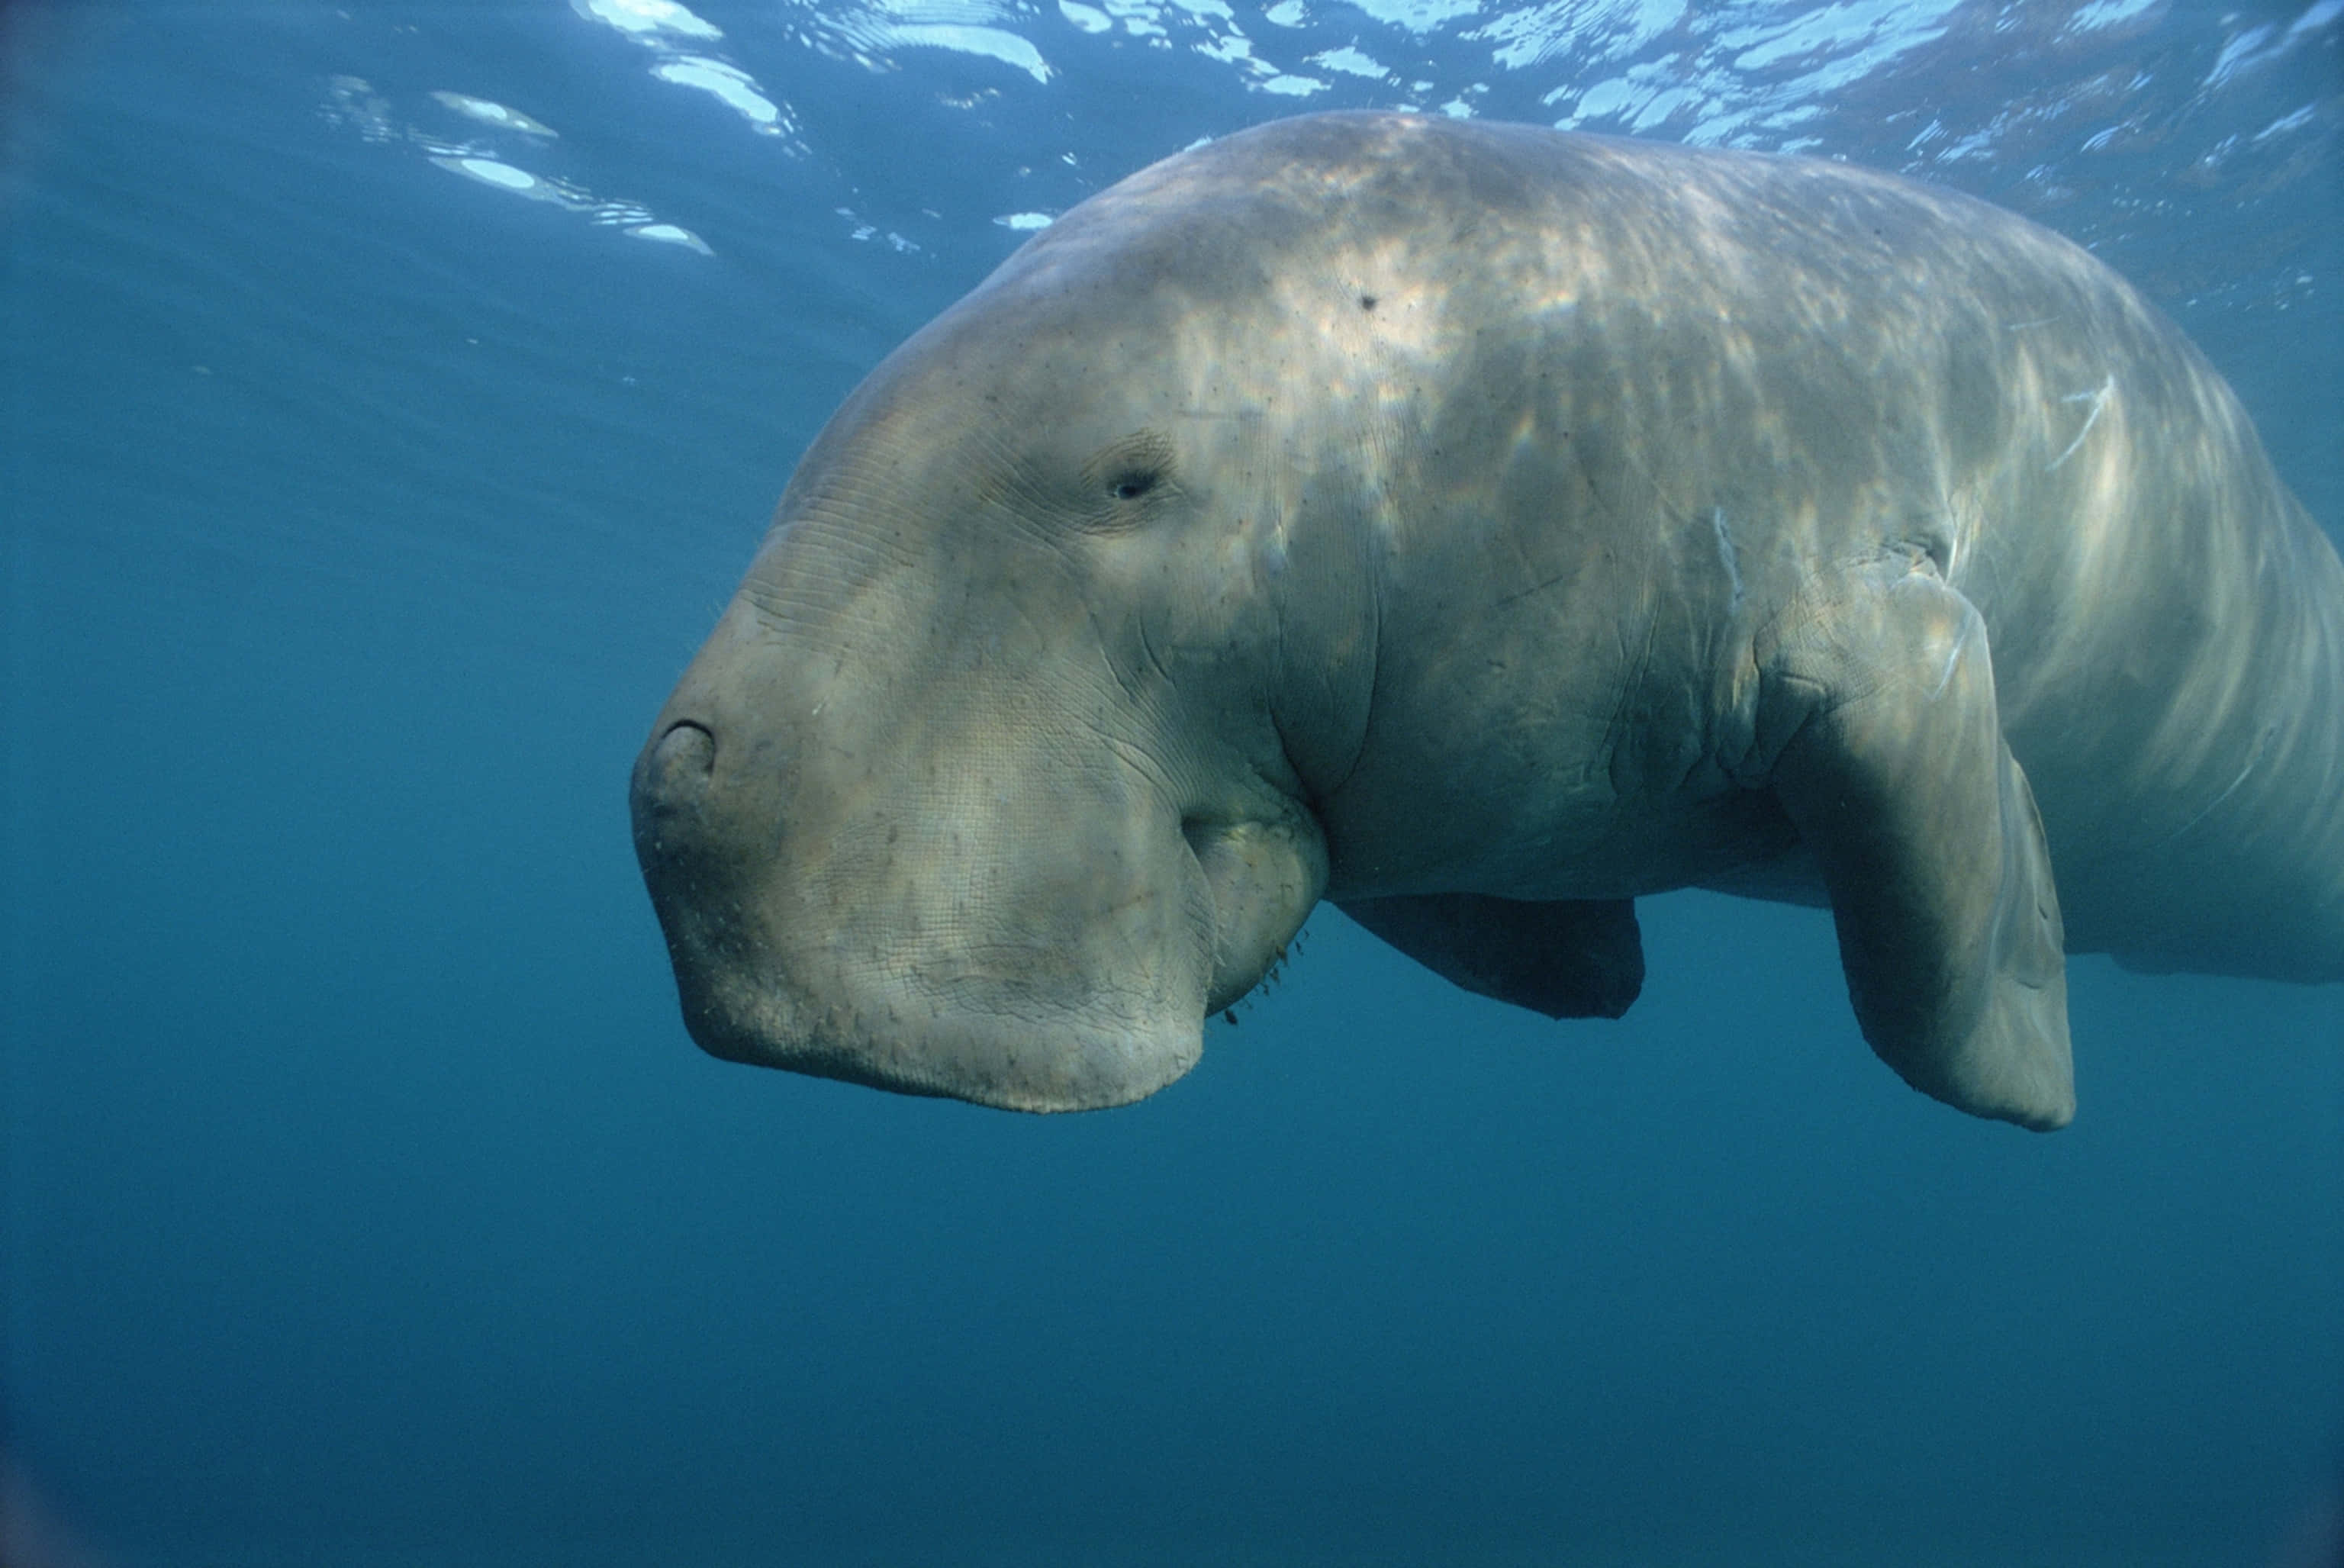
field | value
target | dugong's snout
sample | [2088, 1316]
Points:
[1056, 951]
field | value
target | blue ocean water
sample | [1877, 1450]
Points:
[395, 393]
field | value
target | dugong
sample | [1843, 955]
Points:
[1483, 527]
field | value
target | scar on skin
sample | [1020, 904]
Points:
[1726, 553]
[2099, 399]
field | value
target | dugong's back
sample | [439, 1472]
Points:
[1873, 360]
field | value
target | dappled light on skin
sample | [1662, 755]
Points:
[1384, 508]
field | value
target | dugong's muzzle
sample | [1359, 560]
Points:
[1031, 937]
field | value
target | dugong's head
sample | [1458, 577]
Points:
[994, 780]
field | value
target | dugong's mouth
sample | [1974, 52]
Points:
[964, 1044]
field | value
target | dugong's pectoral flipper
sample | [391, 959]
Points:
[1895, 774]
[1566, 959]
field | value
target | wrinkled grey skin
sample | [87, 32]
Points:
[1482, 527]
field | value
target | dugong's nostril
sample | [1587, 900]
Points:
[678, 769]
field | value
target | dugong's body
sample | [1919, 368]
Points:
[1482, 527]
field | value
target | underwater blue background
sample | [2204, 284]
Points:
[373, 466]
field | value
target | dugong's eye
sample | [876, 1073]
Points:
[1129, 470]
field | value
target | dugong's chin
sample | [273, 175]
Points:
[974, 1049]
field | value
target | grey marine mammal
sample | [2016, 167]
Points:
[1483, 527]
